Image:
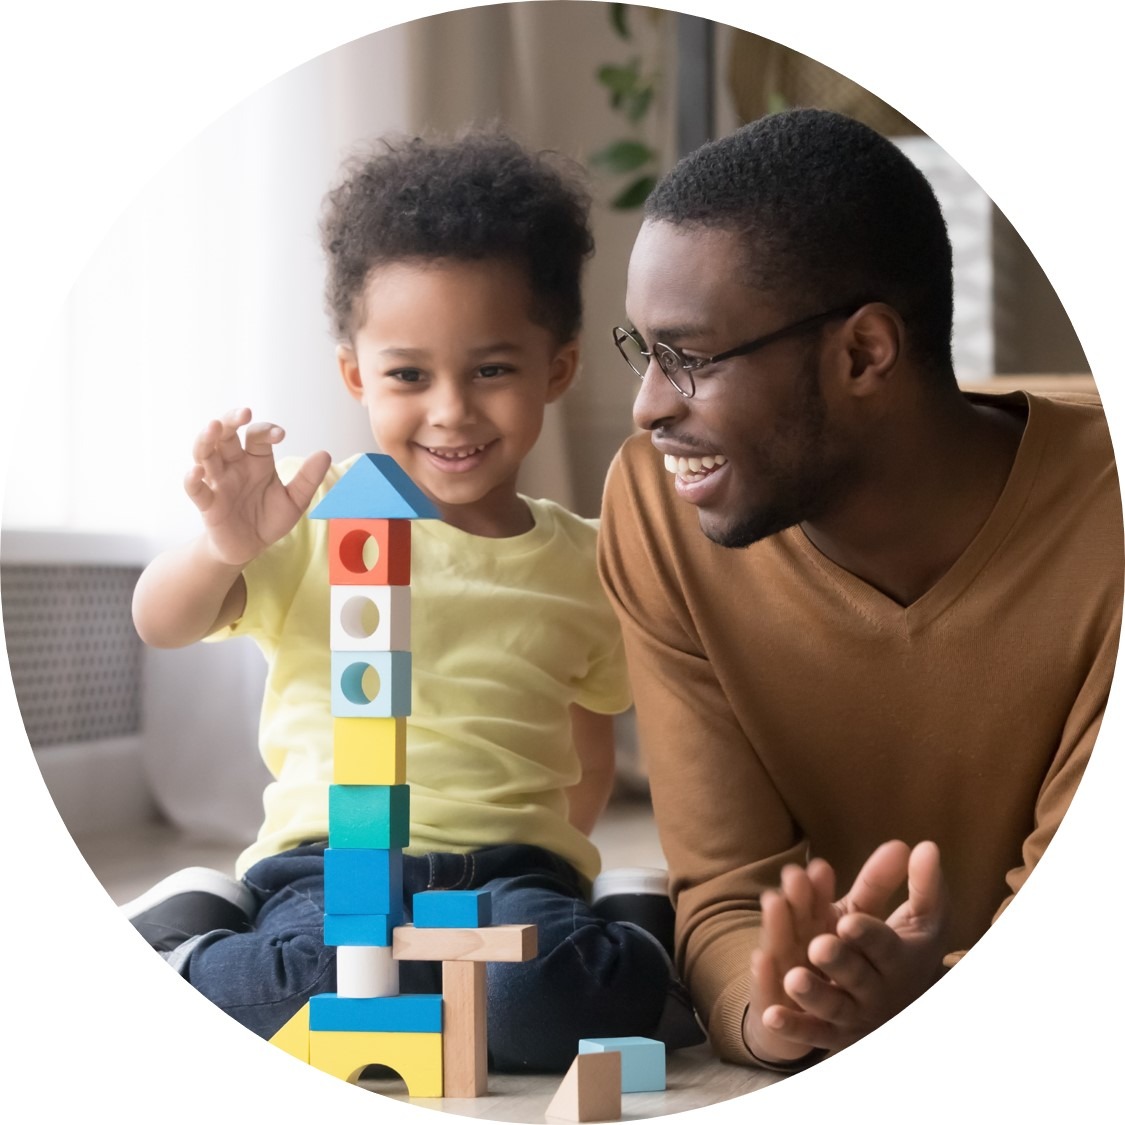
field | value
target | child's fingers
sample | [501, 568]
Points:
[196, 488]
[261, 437]
[229, 446]
[308, 478]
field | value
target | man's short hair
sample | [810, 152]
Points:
[479, 195]
[831, 213]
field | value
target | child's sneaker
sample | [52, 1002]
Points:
[190, 902]
[638, 895]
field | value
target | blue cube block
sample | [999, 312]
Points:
[360, 929]
[369, 816]
[370, 684]
[452, 909]
[329, 1012]
[363, 880]
[642, 1060]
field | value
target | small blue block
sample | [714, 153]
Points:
[362, 880]
[642, 1060]
[369, 816]
[389, 687]
[329, 1012]
[360, 929]
[451, 909]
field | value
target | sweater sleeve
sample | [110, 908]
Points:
[724, 829]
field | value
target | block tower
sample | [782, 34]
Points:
[437, 1043]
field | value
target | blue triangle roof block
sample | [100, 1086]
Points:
[375, 488]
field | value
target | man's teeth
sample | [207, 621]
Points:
[455, 454]
[687, 466]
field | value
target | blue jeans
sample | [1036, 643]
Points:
[592, 977]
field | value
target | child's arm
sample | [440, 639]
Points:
[593, 738]
[189, 592]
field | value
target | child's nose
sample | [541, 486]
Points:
[451, 405]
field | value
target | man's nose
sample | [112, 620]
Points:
[657, 402]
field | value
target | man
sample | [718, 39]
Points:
[867, 691]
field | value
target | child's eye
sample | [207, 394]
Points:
[406, 375]
[492, 371]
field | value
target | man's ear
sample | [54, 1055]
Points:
[564, 367]
[349, 370]
[875, 339]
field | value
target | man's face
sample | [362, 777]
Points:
[756, 449]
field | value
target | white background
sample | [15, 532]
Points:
[97, 98]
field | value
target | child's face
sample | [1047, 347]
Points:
[455, 377]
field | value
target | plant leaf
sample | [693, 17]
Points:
[637, 102]
[619, 18]
[619, 79]
[622, 156]
[635, 194]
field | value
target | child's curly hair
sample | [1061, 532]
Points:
[480, 195]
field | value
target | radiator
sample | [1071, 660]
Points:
[77, 670]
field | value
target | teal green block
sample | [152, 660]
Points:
[368, 816]
[351, 682]
[642, 1060]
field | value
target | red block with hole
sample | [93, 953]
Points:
[369, 552]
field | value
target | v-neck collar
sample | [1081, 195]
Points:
[910, 619]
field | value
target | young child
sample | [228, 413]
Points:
[454, 286]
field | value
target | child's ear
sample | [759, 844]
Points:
[349, 370]
[563, 369]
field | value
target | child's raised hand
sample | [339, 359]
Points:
[235, 486]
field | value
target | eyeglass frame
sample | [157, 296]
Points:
[689, 365]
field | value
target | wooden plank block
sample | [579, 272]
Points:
[452, 909]
[328, 1011]
[590, 1090]
[488, 943]
[465, 1052]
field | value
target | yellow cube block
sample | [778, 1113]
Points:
[414, 1055]
[369, 751]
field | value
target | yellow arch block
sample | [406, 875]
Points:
[414, 1055]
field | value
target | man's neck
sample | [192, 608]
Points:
[926, 494]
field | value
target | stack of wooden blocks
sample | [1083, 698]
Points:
[437, 1043]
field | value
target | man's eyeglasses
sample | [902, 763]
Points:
[680, 369]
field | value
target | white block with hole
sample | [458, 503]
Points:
[370, 618]
[366, 970]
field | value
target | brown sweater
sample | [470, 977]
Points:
[786, 709]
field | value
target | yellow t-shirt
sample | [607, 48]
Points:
[505, 635]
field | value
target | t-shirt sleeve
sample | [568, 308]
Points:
[724, 828]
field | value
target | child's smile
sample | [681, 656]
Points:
[455, 375]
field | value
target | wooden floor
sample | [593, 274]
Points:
[695, 1078]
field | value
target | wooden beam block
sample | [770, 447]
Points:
[488, 943]
[452, 909]
[590, 1090]
[464, 990]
